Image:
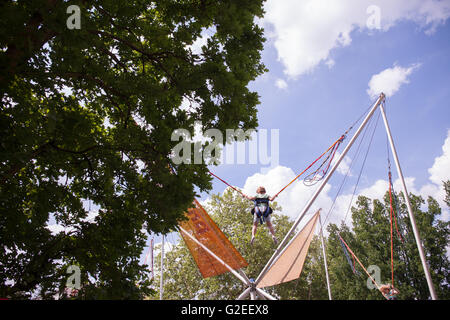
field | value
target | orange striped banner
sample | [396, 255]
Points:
[202, 227]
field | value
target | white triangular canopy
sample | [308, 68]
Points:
[290, 263]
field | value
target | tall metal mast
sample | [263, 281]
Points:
[410, 212]
[325, 259]
[276, 255]
[161, 287]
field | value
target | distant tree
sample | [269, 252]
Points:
[87, 114]
[370, 241]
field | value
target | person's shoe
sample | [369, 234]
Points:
[251, 241]
[275, 240]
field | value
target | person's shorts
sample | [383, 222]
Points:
[256, 219]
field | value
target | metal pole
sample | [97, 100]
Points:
[410, 212]
[260, 296]
[153, 272]
[265, 294]
[242, 273]
[325, 259]
[237, 275]
[161, 289]
[244, 294]
[319, 189]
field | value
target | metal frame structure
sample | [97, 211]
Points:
[255, 292]
[161, 281]
[324, 258]
[426, 269]
[251, 289]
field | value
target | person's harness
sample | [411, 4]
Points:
[261, 215]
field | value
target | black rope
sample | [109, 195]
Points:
[314, 176]
[362, 167]
[363, 114]
[354, 160]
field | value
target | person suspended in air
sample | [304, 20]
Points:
[389, 291]
[261, 212]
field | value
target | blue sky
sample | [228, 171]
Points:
[320, 100]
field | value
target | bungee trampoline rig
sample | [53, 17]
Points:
[214, 253]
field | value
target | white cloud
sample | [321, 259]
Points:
[206, 203]
[281, 84]
[304, 32]
[440, 171]
[375, 191]
[344, 166]
[389, 80]
[330, 63]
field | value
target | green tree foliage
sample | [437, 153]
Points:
[370, 240]
[88, 114]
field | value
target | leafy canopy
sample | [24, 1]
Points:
[87, 114]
